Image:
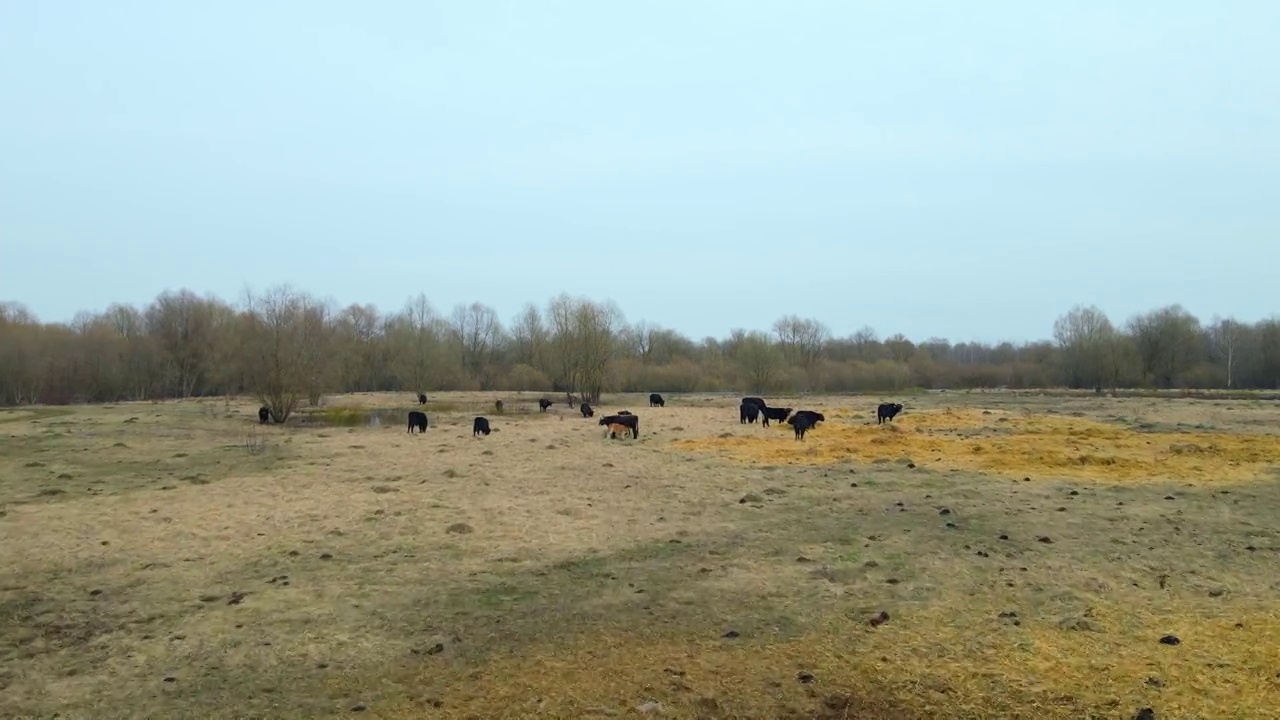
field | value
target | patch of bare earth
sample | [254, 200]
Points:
[194, 563]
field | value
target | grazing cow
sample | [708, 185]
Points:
[748, 412]
[586, 410]
[801, 423]
[886, 411]
[422, 399]
[543, 404]
[480, 426]
[497, 405]
[263, 413]
[758, 402]
[417, 420]
[629, 421]
[778, 414]
[656, 399]
[617, 430]
[814, 417]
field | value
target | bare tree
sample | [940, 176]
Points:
[529, 338]
[864, 342]
[757, 358]
[182, 323]
[478, 333]
[639, 339]
[417, 337]
[1168, 341]
[315, 347]
[22, 355]
[1224, 342]
[583, 340]
[1086, 338]
[359, 334]
[900, 348]
[801, 340]
[1267, 363]
[284, 348]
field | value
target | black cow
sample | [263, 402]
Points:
[778, 414]
[748, 412]
[586, 410]
[417, 420]
[886, 411]
[632, 422]
[422, 399]
[814, 417]
[480, 426]
[543, 404]
[656, 399]
[263, 413]
[758, 402]
[801, 423]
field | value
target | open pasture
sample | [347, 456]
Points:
[985, 555]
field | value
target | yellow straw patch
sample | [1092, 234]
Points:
[1013, 445]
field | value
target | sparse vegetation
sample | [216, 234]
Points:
[1037, 556]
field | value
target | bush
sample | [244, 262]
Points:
[525, 377]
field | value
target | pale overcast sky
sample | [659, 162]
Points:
[964, 170]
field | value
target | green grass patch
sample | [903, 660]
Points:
[32, 414]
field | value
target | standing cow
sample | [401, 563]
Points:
[543, 404]
[586, 410]
[813, 417]
[422, 399]
[778, 414]
[629, 422]
[801, 423]
[263, 413]
[417, 420]
[480, 426]
[748, 412]
[655, 400]
[886, 411]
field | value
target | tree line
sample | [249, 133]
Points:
[288, 347]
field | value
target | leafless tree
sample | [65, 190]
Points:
[478, 333]
[1168, 340]
[417, 337]
[583, 341]
[1224, 340]
[864, 343]
[284, 350]
[182, 323]
[529, 338]
[801, 340]
[1086, 338]
[758, 359]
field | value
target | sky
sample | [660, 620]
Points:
[959, 170]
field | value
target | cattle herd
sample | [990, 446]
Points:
[624, 422]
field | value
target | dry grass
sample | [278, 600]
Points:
[1016, 445]
[546, 571]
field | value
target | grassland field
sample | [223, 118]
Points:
[985, 555]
